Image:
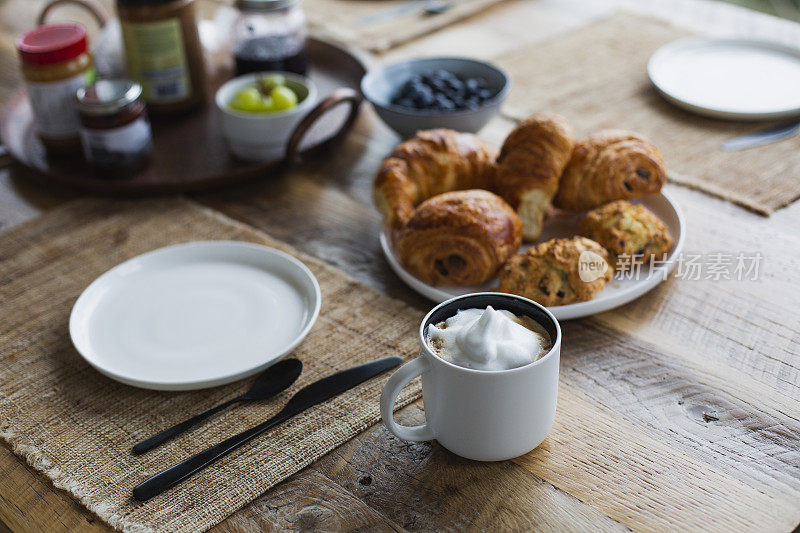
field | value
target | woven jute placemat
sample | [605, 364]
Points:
[77, 426]
[378, 26]
[596, 76]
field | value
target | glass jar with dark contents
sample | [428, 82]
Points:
[270, 35]
[114, 128]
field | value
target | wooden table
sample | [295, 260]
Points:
[692, 392]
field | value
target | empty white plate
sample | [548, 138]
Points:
[195, 315]
[729, 78]
[618, 291]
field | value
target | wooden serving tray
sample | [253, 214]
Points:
[189, 152]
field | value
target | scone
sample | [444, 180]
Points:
[627, 230]
[550, 274]
[459, 237]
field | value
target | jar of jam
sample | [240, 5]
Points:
[163, 53]
[270, 35]
[55, 63]
[114, 128]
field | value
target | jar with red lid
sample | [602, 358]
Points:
[56, 62]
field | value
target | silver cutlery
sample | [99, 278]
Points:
[427, 7]
[770, 135]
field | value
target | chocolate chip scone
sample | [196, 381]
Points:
[627, 230]
[550, 273]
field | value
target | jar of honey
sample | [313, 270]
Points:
[163, 52]
[55, 64]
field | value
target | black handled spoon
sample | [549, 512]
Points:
[273, 380]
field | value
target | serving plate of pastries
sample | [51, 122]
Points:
[463, 216]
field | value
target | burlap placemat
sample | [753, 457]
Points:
[597, 77]
[77, 426]
[378, 26]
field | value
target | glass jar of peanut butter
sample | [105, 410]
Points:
[55, 63]
[163, 53]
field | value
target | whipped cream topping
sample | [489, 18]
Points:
[488, 339]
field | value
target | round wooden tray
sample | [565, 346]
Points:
[189, 152]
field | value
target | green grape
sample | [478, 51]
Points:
[267, 83]
[267, 105]
[283, 98]
[248, 100]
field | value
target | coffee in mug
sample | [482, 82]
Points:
[488, 339]
[489, 368]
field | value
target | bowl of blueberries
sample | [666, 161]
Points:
[443, 92]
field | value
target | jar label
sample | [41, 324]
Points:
[156, 58]
[117, 146]
[53, 104]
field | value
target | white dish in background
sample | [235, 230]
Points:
[195, 315]
[729, 78]
[617, 292]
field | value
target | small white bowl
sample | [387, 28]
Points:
[262, 136]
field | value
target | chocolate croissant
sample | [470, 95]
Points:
[459, 238]
[430, 163]
[610, 165]
[529, 167]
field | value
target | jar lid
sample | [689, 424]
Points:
[52, 43]
[265, 5]
[107, 96]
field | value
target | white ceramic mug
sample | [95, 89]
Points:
[480, 414]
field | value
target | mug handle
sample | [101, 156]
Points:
[400, 379]
[91, 6]
[339, 96]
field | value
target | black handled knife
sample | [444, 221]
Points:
[308, 396]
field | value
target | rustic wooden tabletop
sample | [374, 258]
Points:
[692, 392]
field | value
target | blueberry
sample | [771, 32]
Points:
[455, 85]
[472, 85]
[444, 74]
[423, 97]
[485, 94]
[445, 104]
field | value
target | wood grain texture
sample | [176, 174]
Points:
[691, 390]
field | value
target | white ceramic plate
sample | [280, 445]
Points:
[617, 292]
[195, 315]
[729, 78]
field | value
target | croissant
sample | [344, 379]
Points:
[610, 165]
[430, 163]
[459, 237]
[529, 167]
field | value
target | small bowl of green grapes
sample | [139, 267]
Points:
[261, 110]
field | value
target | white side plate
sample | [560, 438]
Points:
[195, 315]
[729, 78]
[616, 293]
